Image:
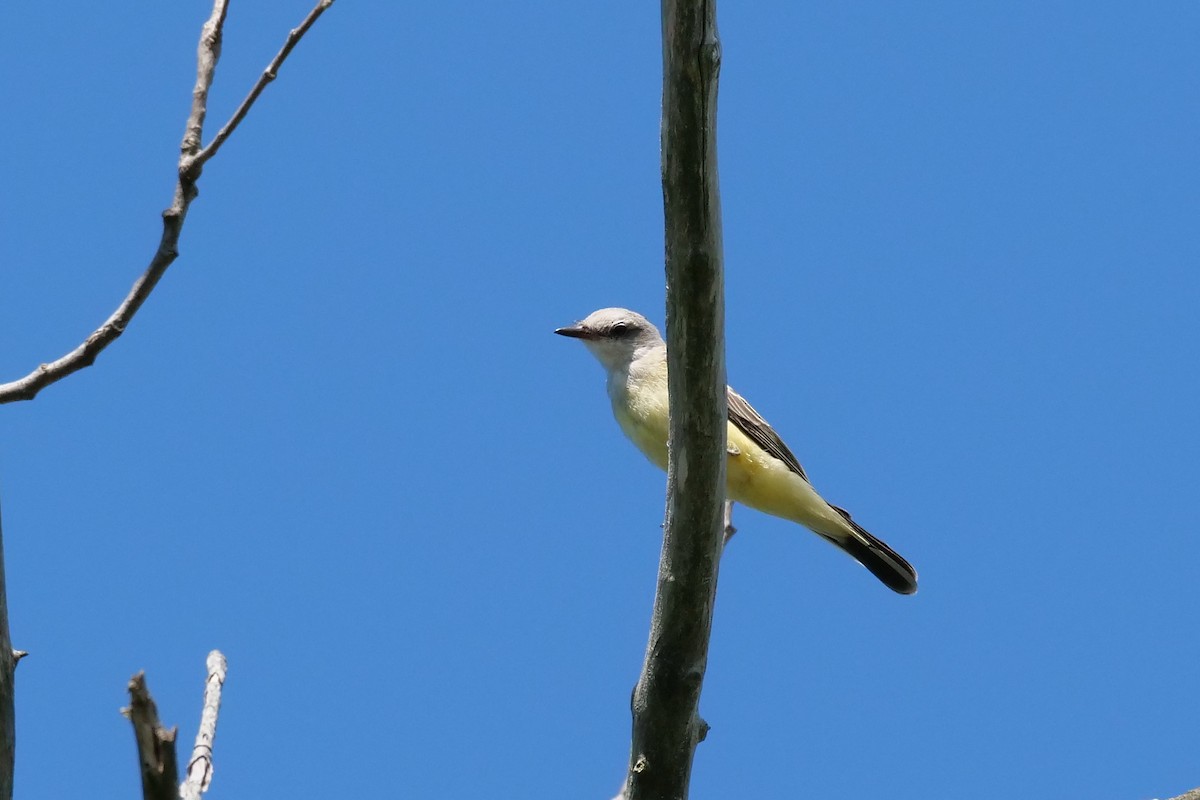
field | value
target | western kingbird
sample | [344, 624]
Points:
[761, 472]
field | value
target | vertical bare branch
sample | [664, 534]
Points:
[666, 723]
[8, 666]
[156, 744]
[191, 160]
[200, 767]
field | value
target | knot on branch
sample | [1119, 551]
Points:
[700, 730]
[190, 168]
[210, 39]
[190, 145]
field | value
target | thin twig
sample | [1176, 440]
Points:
[191, 159]
[200, 767]
[268, 75]
[156, 744]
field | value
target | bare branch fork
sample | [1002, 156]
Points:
[191, 162]
[666, 721]
[156, 744]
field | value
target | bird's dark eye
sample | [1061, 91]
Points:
[620, 329]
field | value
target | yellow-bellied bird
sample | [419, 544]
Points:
[761, 473]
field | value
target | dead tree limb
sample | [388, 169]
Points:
[8, 667]
[666, 722]
[157, 774]
[200, 766]
[191, 161]
[155, 744]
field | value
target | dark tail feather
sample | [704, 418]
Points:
[874, 554]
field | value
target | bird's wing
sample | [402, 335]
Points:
[751, 423]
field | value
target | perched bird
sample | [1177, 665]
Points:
[761, 473]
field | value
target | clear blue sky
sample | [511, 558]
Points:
[341, 443]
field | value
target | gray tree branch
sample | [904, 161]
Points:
[8, 666]
[191, 161]
[155, 744]
[666, 723]
[267, 76]
[200, 766]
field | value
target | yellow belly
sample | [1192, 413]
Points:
[646, 428]
[757, 479]
[753, 477]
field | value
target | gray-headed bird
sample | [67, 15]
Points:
[761, 472]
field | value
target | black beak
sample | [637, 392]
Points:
[576, 331]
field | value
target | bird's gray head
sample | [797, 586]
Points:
[616, 336]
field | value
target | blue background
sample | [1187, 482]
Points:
[341, 444]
